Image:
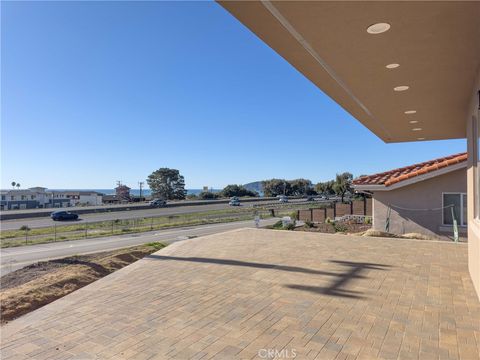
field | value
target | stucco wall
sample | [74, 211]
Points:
[426, 194]
[473, 221]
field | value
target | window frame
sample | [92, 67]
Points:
[463, 221]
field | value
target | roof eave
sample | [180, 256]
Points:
[412, 180]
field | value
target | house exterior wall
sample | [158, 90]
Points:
[84, 198]
[23, 199]
[473, 183]
[426, 194]
[92, 199]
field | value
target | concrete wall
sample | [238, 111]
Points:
[473, 182]
[421, 195]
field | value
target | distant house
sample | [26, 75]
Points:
[84, 197]
[110, 199]
[122, 193]
[423, 198]
[32, 198]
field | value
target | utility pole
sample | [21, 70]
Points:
[140, 184]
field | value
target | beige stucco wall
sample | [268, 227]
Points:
[426, 194]
[473, 223]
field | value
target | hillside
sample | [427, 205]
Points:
[255, 186]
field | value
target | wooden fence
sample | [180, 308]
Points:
[335, 209]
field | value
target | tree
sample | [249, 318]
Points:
[167, 184]
[13, 184]
[237, 190]
[342, 184]
[300, 187]
[208, 195]
[276, 187]
[18, 186]
[325, 187]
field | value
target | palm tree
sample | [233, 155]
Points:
[13, 184]
[18, 186]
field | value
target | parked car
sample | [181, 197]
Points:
[157, 203]
[310, 198]
[283, 199]
[63, 215]
[234, 202]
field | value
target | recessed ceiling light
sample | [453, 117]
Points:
[413, 122]
[378, 28]
[408, 112]
[392, 66]
[401, 88]
[416, 129]
[420, 138]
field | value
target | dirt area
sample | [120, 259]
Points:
[332, 228]
[36, 285]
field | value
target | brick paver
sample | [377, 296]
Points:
[264, 294]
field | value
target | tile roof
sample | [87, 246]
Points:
[397, 175]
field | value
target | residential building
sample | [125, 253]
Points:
[77, 198]
[122, 192]
[407, 70]
[423, 198]
[110, 199]
[32, 198]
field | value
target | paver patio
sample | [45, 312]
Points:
[259, 293]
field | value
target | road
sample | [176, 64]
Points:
[131, 214]
[15, 258]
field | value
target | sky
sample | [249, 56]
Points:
[95, 92]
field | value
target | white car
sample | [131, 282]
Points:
[283, 199]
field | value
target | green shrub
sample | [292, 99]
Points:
[208, 195]
[328, 220]
[309, 224]
[278, 225]
[368, 220]
[339, 227]
[294, 215]
[290, 226]
[156, 245]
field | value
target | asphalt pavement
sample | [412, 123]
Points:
[121, 215]
[17, 257]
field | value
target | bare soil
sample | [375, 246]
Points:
[36, 285]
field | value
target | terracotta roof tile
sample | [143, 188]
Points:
[391, 177]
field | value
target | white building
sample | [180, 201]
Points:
[31, 198]
[82, 197]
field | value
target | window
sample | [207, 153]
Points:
[458, 203]
[12, 197]
[33, 197]
[3, 197]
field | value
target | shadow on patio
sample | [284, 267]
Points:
[336, 288]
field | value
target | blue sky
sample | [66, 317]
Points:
[94, 92]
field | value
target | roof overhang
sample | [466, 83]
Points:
[411, 181]
[436, 44]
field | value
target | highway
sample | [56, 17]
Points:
[15, 258]
[121, 215]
